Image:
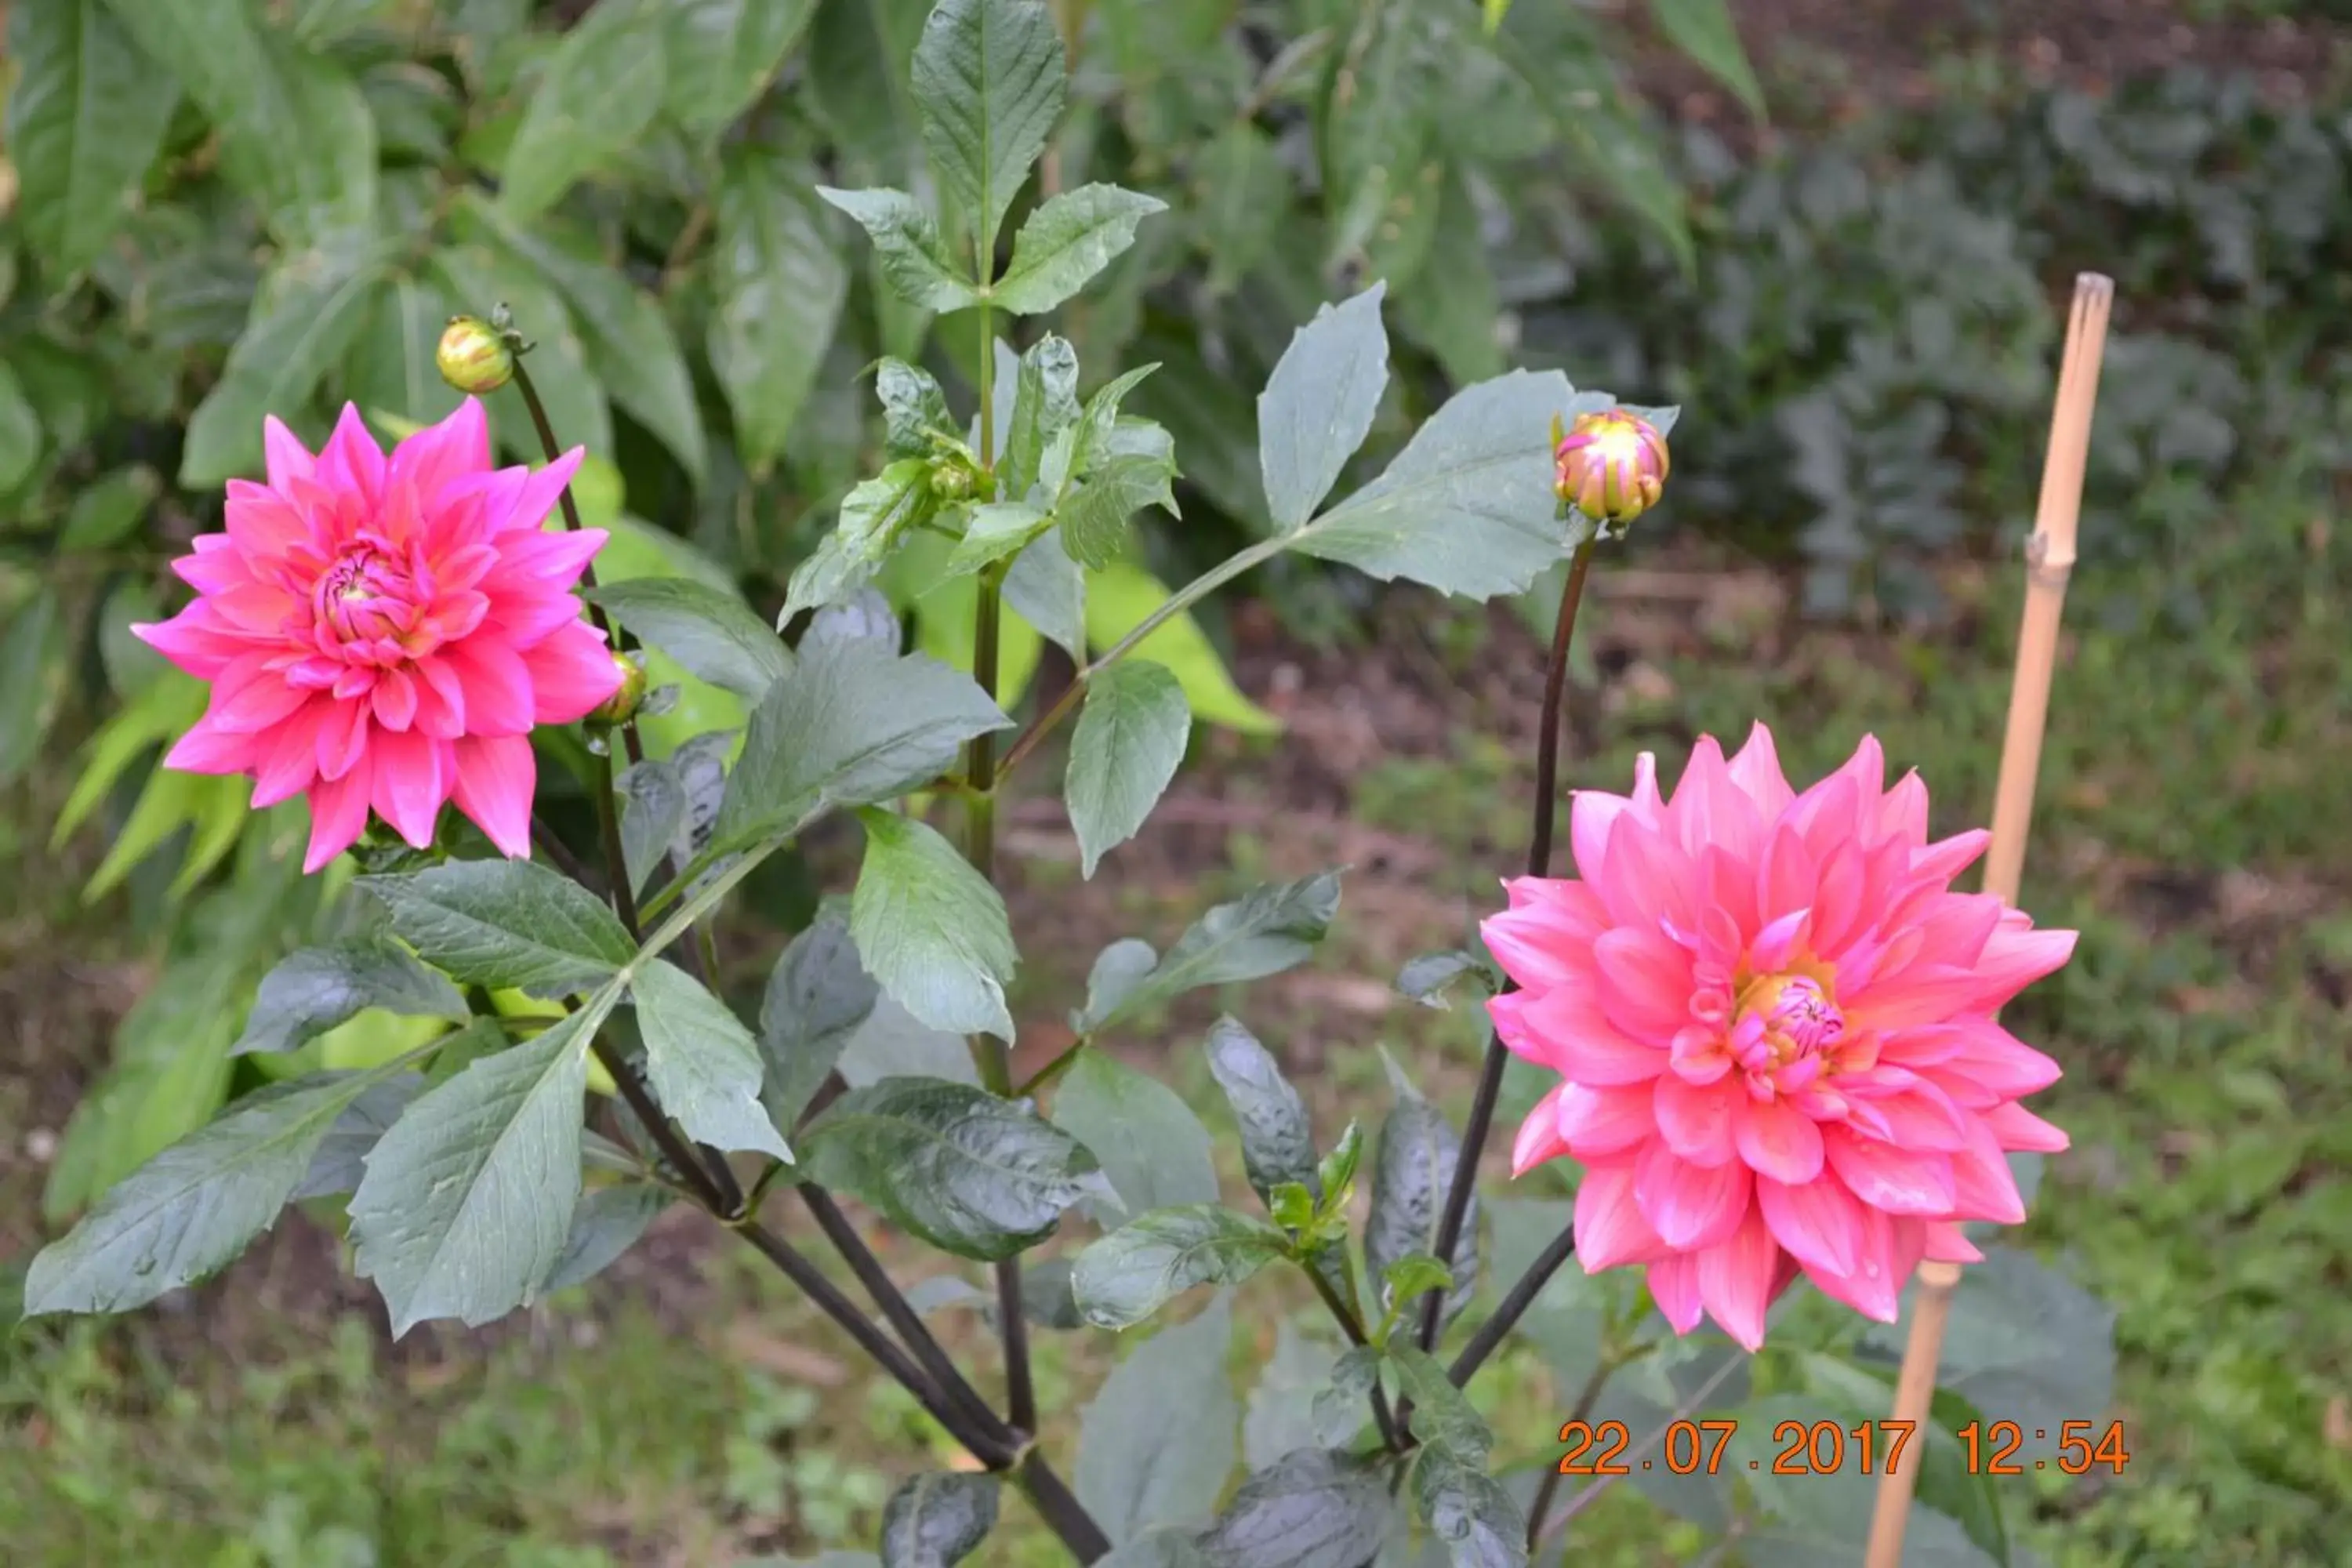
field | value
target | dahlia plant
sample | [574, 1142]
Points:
[1771, 1018]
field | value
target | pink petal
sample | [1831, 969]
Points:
[496, 777]
[1695, 1120]
[339, 809]
[1922, 1117]
[538, 494]
[2019, 1129]
[457, 445]
[395, 700]
[1673, 1286]
[1591, 813]
[1755, 770]
[1874, 1286]
[1539, 1138]
[1898, 1181]
[498, 686]
[206, 748]
[351, 461]
[1597, 1121]
[1709, 809]
[1646, 878]
[570, 674]
[1946, 1243]
[1540, 946]
[1609, 1229]
[1983, 1186]
[1566, 1032]
[1819, 1222]
[192, 640]
[1948, 857]
[539, 561]
[251, 701]
[1904, 813]
[1779, 1140]
[2015, 956]
[1646, 984]
[1999, 1061]
[289, 757]
[410, 784]
[263, 523]
[1689, 1206]
[343, 742]
[1736, 1278]
[286, 460]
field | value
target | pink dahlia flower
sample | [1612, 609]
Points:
[1775, 1020]
[385, 632]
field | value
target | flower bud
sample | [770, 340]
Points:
[473, 356]
[1610, 467]
[628, 698]
[952, 478]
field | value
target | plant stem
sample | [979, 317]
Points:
[1490, 1075]
[1641, 1450]
[1352, 1326]
[1054, 1070]
[1059, 1508]
[1585, 1400]
[1512, 1306]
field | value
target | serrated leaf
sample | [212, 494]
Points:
[1047, 588]
[777, 282]
[714, 635]
[1152, 1148]
[1129, 741]
[1157, 1443]
[1441, 1414]
[1704, 30]
[601, 89]
[875, 517]
[988, 82]
[509, 924]
[1468, 1511]
[1311, 1509]
[1067, 241]
[606, 1224]
[305, 317]
[723, 54]
[936, 1521]
[1317, 405]
[705, 1066]
[1124, 1276]
[818, 997]
[340, 1159]
[468, 1201]
[1044, 405]
[1277, 1144]
[906, 242]
[914, 409]
[1094, 521]
[973, 1174]
[193, 1208]
[1266, 931]
[85, 121]
[931, 929]
[996, 530]
[852, 725]
[1412, 1168]
[319, 988]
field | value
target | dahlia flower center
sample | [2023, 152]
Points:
[366, 597]
[1785, 1032]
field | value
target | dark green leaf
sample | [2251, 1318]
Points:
[875, 517]
[1127, 1275]
[906, 241]
[705, 1066]
[1156, 1549]
[1045, 406]
[1412, 1170]
[1277, 1145]
[818, 997]
[86, 118]
[1450, 307]
[931, 929]
[914, 409]
[936, 1521]
[390, 367]
[1467, 507]
[307, 312]
[894, 1043]
[1046, 588]
[722, 54]
[1415, 1274]
[1156, 1444]
[1094, 521]
[1311, 1509]
[1280, 1416]
[713, 636]
[1268, 931]
[109, 510]
[194, 1208]
[1317, 405]
[467, 1201]
[1428, 978]
[340, 1161]
[1469, 1511]
[865, 616]
[32, 676]
[1704, 31]
[1442, 1415]
[653, 813]
[859, 52]
[989, 82]
[601, 88]
[1242, 194]
[1342, 1407]
[779, 281]
[1152, 1148]
[606, 1224]
[506, 924]
[971, 1173]
[852, 725]
[996, 530]
[1067, 241]
[1130, 741]
[318, 988]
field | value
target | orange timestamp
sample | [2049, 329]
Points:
[1825, 1448]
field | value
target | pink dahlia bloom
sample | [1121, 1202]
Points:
[385, 632]
[1775, 1020]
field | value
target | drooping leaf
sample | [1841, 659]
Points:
[1157, 1443]
[1067, 241]
[317, 988]
[722, 54]
[468, 1201]
[852, 725]
[304, 318]
[818, 995]
[1130, 741]
[1343, 1406]
[653, 815]
[1127, 1275]
[714, 635]
[602, 86]
[1266, 931]
[1412, 1170]
[1152, 1148]
[86, 119]
[779, 281]
[705, 1066]
[1467, 507]
[973, 1174]
[606, 1224]
[1468, 1511]
[510, 924]
[906, 242]
[194, 1208]
[1704, 30]
[935, 1521]
[1277, 1144]
[931, 929]
[1311, 1509]
[1317, 405]
[989, 82]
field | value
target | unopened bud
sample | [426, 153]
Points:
[473, 356]
[1610, 467]
[628, 698]
[952, 478]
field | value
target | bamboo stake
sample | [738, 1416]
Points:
[2049, 559]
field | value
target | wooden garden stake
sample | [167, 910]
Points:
[2049, 558]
